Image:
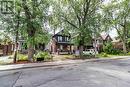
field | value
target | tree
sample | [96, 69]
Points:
[34, 16]
[16, 28]
[116, 16]
[27, 21]
[79, 15]
[12, 23]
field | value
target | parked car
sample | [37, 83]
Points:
[90, 52]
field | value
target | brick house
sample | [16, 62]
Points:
[101, 40]
[61, 43]
[6, 49]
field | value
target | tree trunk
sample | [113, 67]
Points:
[81, 51]
[30, 53]
[124, 47]
[16, 47]
[124, 38]
[95, 46]
[16, 39]
[30, 29]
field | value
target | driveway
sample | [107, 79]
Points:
[103, 73]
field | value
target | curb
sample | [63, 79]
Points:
[51, 65]
[46, 65]
[31, 67]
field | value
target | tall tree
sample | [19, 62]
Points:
[35, 12]
[116, 16]
[12, 22]
[17, 21]
[80, 16]
[27, 21]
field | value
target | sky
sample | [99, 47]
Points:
[113, 33]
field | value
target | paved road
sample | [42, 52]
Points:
[105, 73]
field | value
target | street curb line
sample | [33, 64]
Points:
[92, 60]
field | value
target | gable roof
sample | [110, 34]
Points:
[61, 32]
[105, 36]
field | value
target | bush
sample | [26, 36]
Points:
[116, 52]
[104, 54]
[22, 57]
[40, 56]
[108, 48]
[128, 53]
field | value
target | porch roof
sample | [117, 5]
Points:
[65, 43]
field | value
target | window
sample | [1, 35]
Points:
[67, 39]
[59, 38]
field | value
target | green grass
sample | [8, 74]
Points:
[22, 57]
[110, 55]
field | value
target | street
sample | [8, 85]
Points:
[103, 73]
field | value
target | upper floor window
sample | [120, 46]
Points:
[67, 38]
[59, 38]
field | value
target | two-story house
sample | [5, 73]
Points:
[61, 43]
[101, 40]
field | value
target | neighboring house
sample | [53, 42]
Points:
[96, 42]
[61, 43]
[22, 46]
[100, 41]
[6, 49]
[117, 44]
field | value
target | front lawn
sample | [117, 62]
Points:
[105, 55]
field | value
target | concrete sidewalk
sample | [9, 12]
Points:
[55, 63]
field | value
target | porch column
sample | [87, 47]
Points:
[70, 49]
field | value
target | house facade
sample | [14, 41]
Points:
[22, 46]
[6, 49]
[61, 43]
[100, 41]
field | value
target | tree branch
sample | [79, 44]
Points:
[78, 17]
[71, 23]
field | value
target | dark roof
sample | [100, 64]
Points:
[62, 31]
[104, 37]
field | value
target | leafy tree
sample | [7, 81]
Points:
[12, 23]
[27, 21]
[116, 16]
[35, 11]
[80, 16]
[5, 39]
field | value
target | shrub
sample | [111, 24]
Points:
[116, 52]
[128, 53]
[104, 54]
[108, 48]
[43, 56]
[22, 57]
